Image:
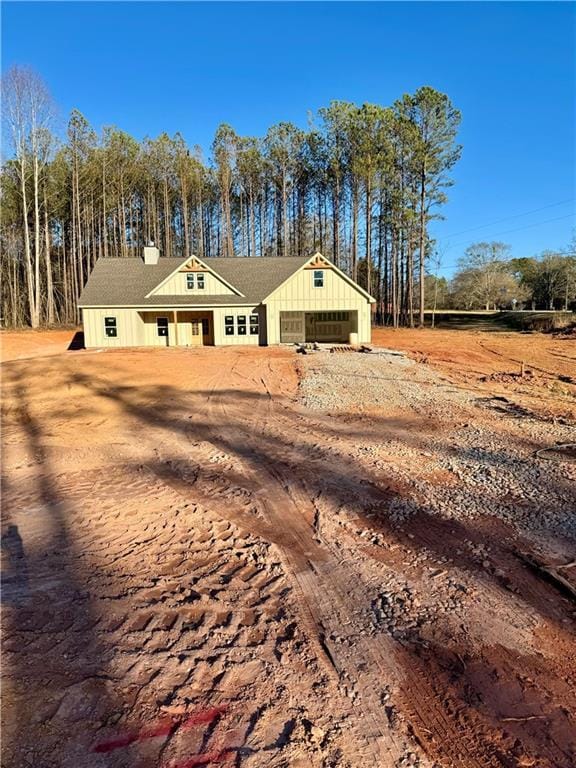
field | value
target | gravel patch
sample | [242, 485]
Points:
[339, 382]
[486, 456]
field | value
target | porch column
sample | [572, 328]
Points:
[175, 328]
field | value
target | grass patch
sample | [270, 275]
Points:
[543, 322]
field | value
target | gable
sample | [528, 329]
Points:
[336, 285]
[194, 277]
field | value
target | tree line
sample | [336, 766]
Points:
[488, 277]
[361, 184]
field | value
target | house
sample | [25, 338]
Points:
[154, 301]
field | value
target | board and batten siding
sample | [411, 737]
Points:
[150, 334]
[220, 337]
[129, 328]
[298, 294]
[133, 328]
[176, 286]
[137, 328]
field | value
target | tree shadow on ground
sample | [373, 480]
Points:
[54, 661]
[173, 424]
[344, 481]
[64, 707]
[339, 477]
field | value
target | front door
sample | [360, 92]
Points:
[196, 333]
[207, 336]
[194, 329]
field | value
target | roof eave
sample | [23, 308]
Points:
[168, 305]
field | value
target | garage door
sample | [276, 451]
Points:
[292, 327]
[328, 326]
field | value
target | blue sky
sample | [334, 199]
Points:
[509, 67]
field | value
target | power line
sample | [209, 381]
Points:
[514, 258]
[518, 229]
[507, 218]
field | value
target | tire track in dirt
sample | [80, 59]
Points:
[225, 560]
[301, 556]
[150, 622]
[323, 590]
[447, 739]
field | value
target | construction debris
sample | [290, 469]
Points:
[550, 573]
[343, 348]
[560, 452]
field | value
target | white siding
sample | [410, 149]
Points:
[138, 328]
[220, 337]
[150, 333]
[176, 286]
[129, 328]
[299, 294]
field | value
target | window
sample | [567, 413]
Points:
[241, 320]
[328, 317]
[110, 327]
[162, 326]
[253, 325]
[190, 281]
[229, 325]
[318, 278]
[200, 280]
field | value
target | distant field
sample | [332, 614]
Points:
[499, 321]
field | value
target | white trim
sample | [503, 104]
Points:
[205, 266]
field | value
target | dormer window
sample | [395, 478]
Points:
[195, 280]
[318, 278]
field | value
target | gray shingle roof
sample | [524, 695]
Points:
[256, 277]
[126, 282]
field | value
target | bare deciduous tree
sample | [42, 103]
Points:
[27, 115]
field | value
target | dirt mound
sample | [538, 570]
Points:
[565, 333]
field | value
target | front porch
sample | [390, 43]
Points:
[178, 328]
